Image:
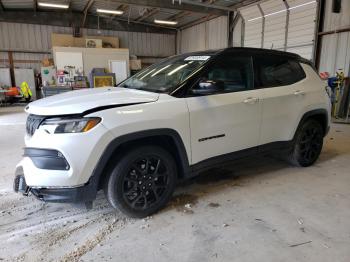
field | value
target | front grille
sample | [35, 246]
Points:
[33, 122]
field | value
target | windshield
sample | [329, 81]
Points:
[166, 75]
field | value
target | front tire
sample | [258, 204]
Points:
[308, 144]
[142, 182]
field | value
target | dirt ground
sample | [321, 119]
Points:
[258, 209]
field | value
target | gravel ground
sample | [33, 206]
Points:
[258, 209]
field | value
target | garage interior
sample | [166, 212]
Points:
[255, 209]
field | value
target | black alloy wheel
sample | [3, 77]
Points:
[142, 182]
[308, 144]
[145, 183]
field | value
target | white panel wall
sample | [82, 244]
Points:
[38, 38]
[193, 38]
[207, 35]
[253, 26]
[275, 25]
[141, 44]
[335, 52]
[16, 36]
[300, 29]
[335, 21]
[30, 37]
[237, 33]
[217, 33]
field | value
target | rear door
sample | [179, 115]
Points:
[229, 120]
[281, 80]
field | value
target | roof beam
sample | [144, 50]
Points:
[85, 12]
[123, 8]
[198, 21]
[242, 3]
[73, 19]
[233, 8]
[192, 6]
[235, 20]
[2, 8]
[35, 5]
[69, 3]
[209, 1]
[147, 14]
[178, 16]
[208, 5]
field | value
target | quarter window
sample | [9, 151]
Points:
[272, 71]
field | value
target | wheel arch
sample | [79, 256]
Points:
[168, 139]
[320, 115]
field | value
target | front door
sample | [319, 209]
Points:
[228, 120]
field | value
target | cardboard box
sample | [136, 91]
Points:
[93, 43]
[47, 62]
[135, 64]
[70, 41]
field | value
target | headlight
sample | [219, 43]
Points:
[73, 125]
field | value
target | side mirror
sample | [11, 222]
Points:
[208, 87]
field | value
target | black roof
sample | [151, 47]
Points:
[252, 50]
[245, 49]
[261, 51]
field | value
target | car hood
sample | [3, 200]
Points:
[77, 102]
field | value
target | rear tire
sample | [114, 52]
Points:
[142, 181]
[308, 144]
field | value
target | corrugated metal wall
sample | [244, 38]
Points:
[302, 26]
[237, 33]
[335, 52]
[253, 26]
[24, 60]
[193, 38]
[268, 25]
[207, 35]
[37, 38]
[275, 25]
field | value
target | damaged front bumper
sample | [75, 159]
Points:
[44, 166]
[79, 194]
[20, 185]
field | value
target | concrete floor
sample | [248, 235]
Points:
[259, 209]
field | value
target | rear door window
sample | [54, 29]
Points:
[273, 71]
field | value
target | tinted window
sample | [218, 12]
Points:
[271, 71]
[235, 72]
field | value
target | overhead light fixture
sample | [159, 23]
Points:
[106, 11]
[53, 5]
[284, 10]
[165, 22]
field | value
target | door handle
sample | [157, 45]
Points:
[299, 92]
[251, 100]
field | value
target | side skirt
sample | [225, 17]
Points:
[270, 148]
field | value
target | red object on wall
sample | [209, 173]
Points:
[12, 91]
[324, 75]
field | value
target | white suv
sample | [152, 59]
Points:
[170, 121]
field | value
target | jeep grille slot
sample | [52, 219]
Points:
[33, 122]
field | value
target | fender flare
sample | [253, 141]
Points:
[182, 160]
[310, 114]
